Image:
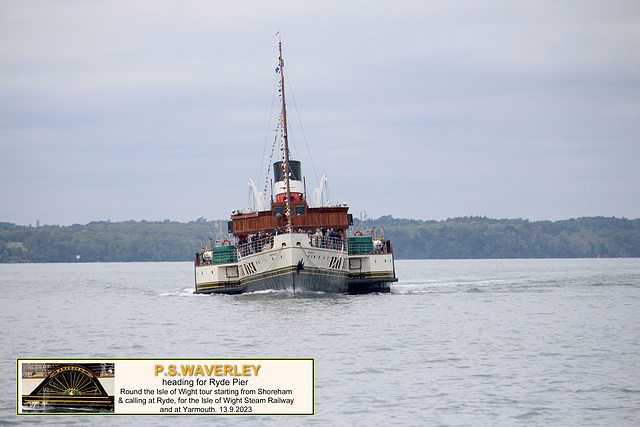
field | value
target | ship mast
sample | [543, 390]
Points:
[286, 141]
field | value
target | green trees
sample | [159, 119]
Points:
[105, 241]
[481, 237]
[465, 237]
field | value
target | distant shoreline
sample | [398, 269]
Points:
[454, 238]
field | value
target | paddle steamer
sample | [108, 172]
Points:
[292, 244]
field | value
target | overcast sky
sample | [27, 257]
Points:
[119, 110]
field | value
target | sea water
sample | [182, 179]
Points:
[465, 342]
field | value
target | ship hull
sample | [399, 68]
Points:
[298, 262]
[296, 279]
[287, 262]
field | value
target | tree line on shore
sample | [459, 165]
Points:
[482, 237]
[455, 238]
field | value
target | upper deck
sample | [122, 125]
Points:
[302, 217]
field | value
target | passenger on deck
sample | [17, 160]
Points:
[317, 238]
[334, 239]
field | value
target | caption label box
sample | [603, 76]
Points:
[166, 386]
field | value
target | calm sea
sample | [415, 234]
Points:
[469, 342]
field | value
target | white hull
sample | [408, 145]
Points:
[296, 262]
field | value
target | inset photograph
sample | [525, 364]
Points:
[68, 387]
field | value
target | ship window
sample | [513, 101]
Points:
[300, 210]
[278, 210]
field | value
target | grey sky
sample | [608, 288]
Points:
[116, 110]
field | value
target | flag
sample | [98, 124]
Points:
[280, 65]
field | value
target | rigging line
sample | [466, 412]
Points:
[295, 146]
[307, 255]
[342, 252]
[304, 136]
[264, 149]
[266, 179]
[275, 258]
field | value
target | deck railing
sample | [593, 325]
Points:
[255, 245]
[217, 255]
[229, 253]
[359, 245]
